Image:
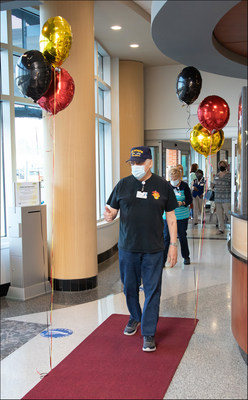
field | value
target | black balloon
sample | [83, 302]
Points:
[189, 83]
[33, 74]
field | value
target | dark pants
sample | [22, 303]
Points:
[148, 267]
[182, 225]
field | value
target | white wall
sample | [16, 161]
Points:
[5, 265]
[107, 235]
[163, 109]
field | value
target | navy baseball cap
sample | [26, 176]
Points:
[140, 154]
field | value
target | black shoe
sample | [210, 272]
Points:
[186, 261]
[149, 343]
[131, 327]
[196, 223]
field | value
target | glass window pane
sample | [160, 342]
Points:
[100, 66]
[4, 34]
[17, 38]
[3, 214]
[25, 29]
[16, 90]
[102, 167]
[101, 101]
[4, 72]
[29, 143]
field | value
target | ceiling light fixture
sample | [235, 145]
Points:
[134, 45]
[116, 27]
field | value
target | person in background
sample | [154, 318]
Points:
[222, 194]
[192, 177]
[184, 199]
[142, 199]
[197, 191]
[181, 170]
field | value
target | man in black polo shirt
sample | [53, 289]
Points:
[142, 198]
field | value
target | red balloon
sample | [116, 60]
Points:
[213, 113]
[60, 92]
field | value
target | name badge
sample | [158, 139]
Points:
[141, 195]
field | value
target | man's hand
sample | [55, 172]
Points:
[110, 213]
[172, 256]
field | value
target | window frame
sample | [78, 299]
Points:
[103, 129]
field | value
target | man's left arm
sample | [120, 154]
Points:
[172, 225]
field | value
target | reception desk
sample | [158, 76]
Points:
[238, 249]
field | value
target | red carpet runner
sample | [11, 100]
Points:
[110, 365]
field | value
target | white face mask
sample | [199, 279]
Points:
[175, 183]
[138, 171]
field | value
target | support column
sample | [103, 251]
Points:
[131, 89]
[74, 221]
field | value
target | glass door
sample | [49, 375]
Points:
[156, 150]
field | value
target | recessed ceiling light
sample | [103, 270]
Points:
[134, 45]
[116, 27]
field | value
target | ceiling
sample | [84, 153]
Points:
[181, 34]
[136, 28]
[209, 35]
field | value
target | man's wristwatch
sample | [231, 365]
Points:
[173, 244]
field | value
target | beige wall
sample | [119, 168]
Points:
[131, 90]
[163, 109]
[74, 224]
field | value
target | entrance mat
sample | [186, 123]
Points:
[111, 365]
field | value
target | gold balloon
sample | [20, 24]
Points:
[204, 142]
[55, 40]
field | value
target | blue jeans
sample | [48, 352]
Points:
[182, 225]
[148, 267]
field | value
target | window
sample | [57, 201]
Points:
[103, 128]
[3, 214]
[29, 143]
[100, 66]
[25, 29]
[17, 92]
[21, 132]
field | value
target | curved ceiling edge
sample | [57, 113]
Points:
[182, 30]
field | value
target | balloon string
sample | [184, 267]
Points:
[52, 243]
[188, 119]
[54, 88]
[196, 280]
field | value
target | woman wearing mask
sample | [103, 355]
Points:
[184, 199]
[192, 177]
[222, 194]
[197, 191]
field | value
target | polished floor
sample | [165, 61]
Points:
[212, 366]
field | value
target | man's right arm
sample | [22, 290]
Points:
[110, 213]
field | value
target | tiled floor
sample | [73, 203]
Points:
[212, 367]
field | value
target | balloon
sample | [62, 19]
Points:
[60, 94]
[55, 40]
[188, 86]
[33, 74]
[213, 113]
[204, 142]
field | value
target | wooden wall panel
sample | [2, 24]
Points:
[239, 302]
[131, 89]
